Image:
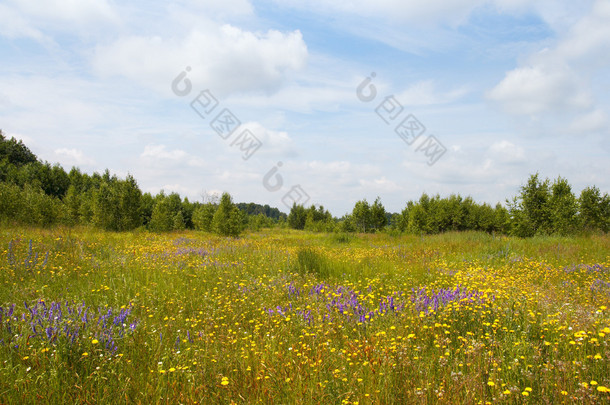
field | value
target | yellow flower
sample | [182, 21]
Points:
[593, 382]
[225, 381]
[597, 356]
[525, 393]
[85, 354]
[528, 389]
[490, 383]
[288, 379]
[601, 388]
[564, 392]
[506, 392]
[94, 341]
[171, 370]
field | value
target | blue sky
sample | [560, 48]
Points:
[506, 88]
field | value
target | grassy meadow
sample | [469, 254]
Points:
[289, 317]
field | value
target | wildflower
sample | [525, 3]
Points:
[85, 354]
[490, 383]
[506, 392]
[94, 341]
[593, 382]
[601, 388]
[224, 381]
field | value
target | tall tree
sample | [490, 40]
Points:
[378, 215]
[227, 220]
[361, 216]
[130, 203]
[563, 208]
[592, 210]
[202, 217]
[297, 217]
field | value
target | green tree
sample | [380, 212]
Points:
[563, 208]
[72, 202]
[106, 209]
[378, 218]
[593, 210]
[162, 218]
[130, 204]
[297, 217]
[10, 201]
[15, 152]
[227, 220]
[530, 211]
[202, 217]
[179, 224]
[147, 204]
[361, 216]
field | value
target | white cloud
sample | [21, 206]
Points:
[557, 80]
[532, 90]
[595, 121]
[30, 18]
[452, 12]
[588, 42]
[416, 11]
[274, 143]
[426, 93]
[14, 25]
[220, 8]
[73, 157]
[158, 154]
[223, 59]
[79, 11]
[382, 185]
[507, 152]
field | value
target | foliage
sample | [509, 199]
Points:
[202, 217]
[228, 220]
[297, 217]
[38, 193]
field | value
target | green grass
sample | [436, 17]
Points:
[282, 316]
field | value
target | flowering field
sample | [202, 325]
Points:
[291, 317]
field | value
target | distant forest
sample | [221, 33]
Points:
[37, 193]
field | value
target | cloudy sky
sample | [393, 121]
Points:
[346, 99]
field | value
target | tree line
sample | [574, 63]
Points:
[38, 193]
[542, 207]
